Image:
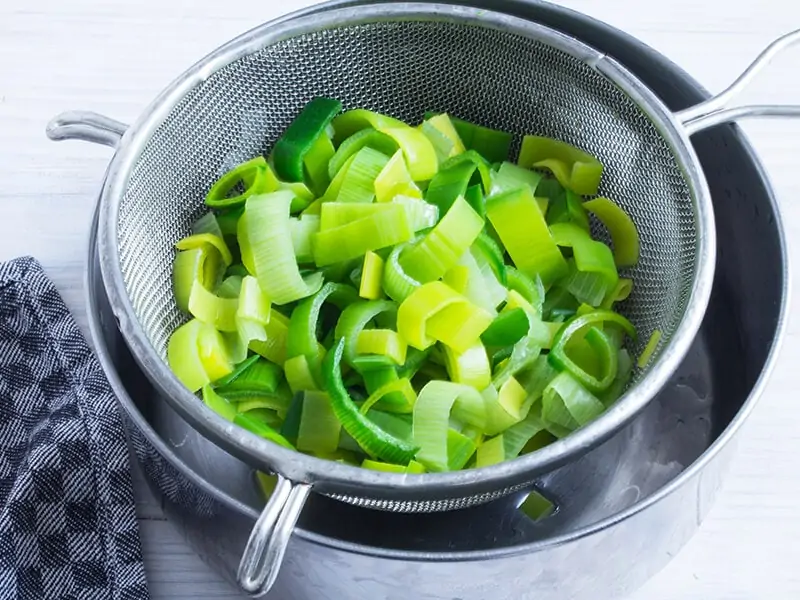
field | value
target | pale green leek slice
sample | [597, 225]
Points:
[435, 312]
[523, 230]
[621, 228]
[371, 277]
[431, 420]
[395, 180]
[319, 428]
[383, 229]
[470, 368]
[384, 342]
[267, 249]
[568, 405]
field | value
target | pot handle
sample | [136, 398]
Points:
[86, 126]
[714, 112]
[264, 552]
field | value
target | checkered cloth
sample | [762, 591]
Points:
[68, 527]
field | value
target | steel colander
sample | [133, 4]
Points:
[404, 59]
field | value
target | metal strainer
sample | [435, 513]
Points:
[403, 59]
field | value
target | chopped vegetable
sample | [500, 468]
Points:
[402, 297]
[575, 169]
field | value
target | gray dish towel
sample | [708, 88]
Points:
[68, 526]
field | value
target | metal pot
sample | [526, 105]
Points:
[642, 494]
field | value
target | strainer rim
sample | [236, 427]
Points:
[356, 481]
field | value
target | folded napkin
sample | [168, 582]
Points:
[68, 526]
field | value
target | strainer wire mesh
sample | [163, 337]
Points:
[404, 68]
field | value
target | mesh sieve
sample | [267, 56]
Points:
[403, 59]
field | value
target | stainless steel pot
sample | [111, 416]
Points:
[642, 494]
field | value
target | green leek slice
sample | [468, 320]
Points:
[435, 312]
[253, 177]
[300, 137]
[398, 284]
[218, 404]
[276, 331]
[384, 342]
[444, 245]
[354, 319]
[470, 368]
[575, 169]
[568, 405]
[375, 441]
[358, 184]
[649, 349]
[597, 274]
[380, 230]
[315, 164]
[268, 251]
[303, 230]
[366, 138]
[183, 356]
[444, 137]
[522, 228]
[198, 240]
[431, 419]
[399, 386]
[319, 428]
[419, 153]
[371, 277]
[492, 144]
[395, 180]
[510, 177]
[621, 228]
[558, 355]
[491, 452]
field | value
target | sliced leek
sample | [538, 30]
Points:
[399, 296]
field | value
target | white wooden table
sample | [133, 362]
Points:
[113, 57]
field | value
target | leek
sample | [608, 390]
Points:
[492, 144]
[371, 277]
[384, 342]
[374, 440]
[575, 169]
[267, 249]
[596, 273]
[358, 184]
[395, 180]
[430, 259]
[354, 319]
[386, 228]
[218, 404]
[522, 228]
[252, 177]
[300, 137]
[419, 153]
[470, 368]
[319, 428]
[649, 349]
[491, 452]
[431, 419]
[568, 405]
[199, 240]
[366, 138]
[435, 312]
[183, 356]
[621, 228]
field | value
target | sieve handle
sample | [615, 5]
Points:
[86, 126]
[264, 552]
[714, 111]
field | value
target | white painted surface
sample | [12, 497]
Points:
[113, 57]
